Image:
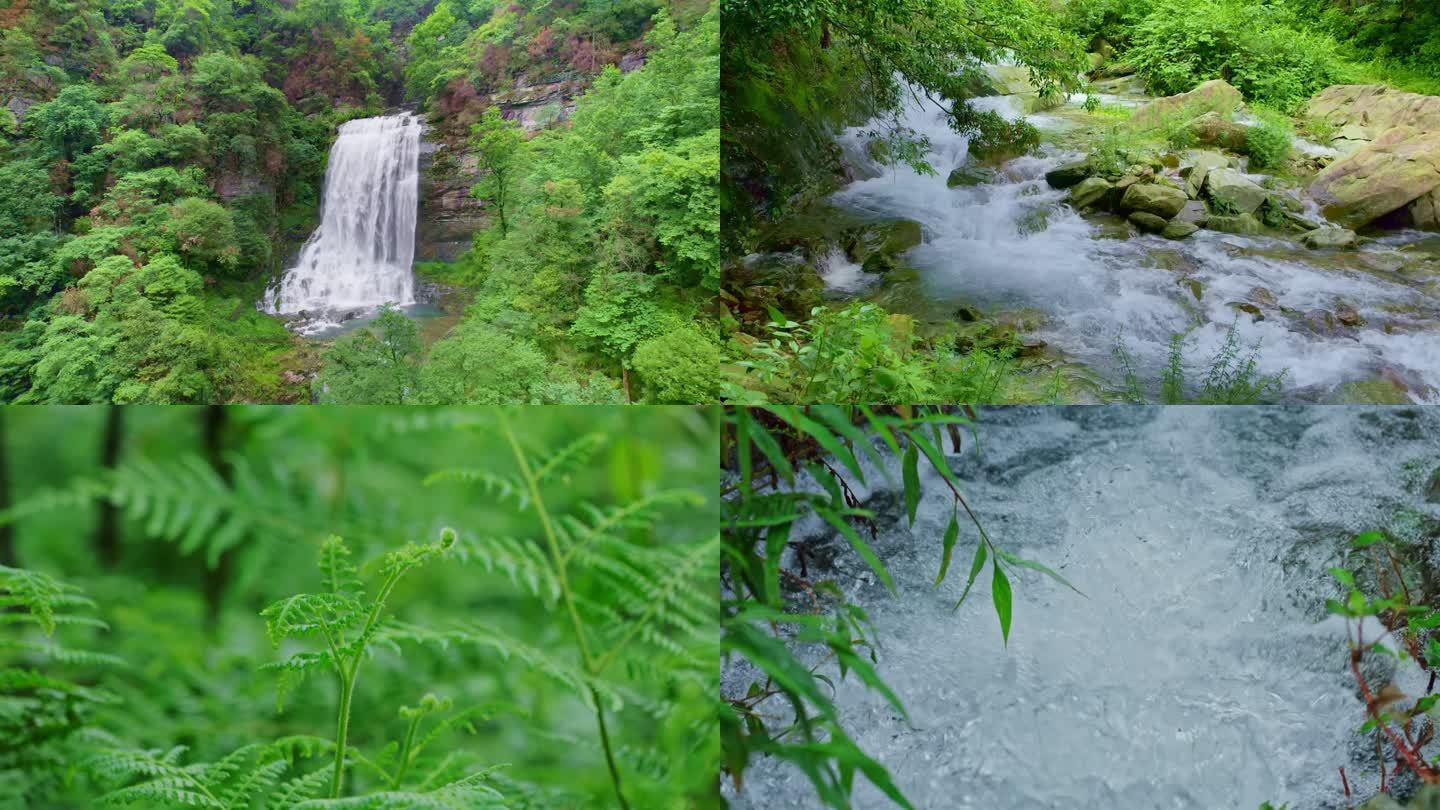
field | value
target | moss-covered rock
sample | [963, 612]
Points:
[1216, 96]
[970, 175]
[1177, 229]
[1071, 174]
[1394, 170]
[1245, 224]
[1329, 238]
[1230, 192]
[1153, 198]
[1090, 191]
[1145, 221]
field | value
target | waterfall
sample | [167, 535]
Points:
[360, 256]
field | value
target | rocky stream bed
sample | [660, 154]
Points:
[1329, 262]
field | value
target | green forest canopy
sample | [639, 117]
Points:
[159, 159]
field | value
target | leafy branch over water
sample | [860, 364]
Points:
[772, 604]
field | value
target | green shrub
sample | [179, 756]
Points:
[678, 367]
[1256, 48]
[1268, 142]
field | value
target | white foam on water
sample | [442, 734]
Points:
[1198, 671]
[981, 245]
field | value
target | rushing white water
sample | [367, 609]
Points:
[1199, 671]
[982, 245]
[360, 257]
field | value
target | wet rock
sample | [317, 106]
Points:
[1216, 96]
[1300, 223]
[1230, 192]
[1033, 221]
[1329, 238]
[1197, 288]
[1177, 229]
[1212, 129]
[1194, 212]
[1071, 174]
[967, 313]
[1247, 308]
[1152, 198]
[1425, 211]
[879, 263]
[1347, 315]
[1090, 191]
[889, 237]
[1031, 347]
[1319, 321]
[1360, 112]
[1150, 223]
[1245, 224]
[1263, 297]
[1202, 163]
[970, 175]
[1385, 175]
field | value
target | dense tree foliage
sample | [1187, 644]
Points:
[603, 233]
[188, 139]
[151, 158]
[249, 607]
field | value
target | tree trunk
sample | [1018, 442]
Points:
[7, 531]
[107, 529]
[217, 577]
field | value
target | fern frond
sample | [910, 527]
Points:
[524, 563]
[39, 595]
[341, 576]
[306, 613]
[297, 790]
[560, 463]
[502, 487]
[578, 682]
[638, 514]
[470, 792]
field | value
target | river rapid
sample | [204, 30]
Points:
[1199, 670]
[1015, 245]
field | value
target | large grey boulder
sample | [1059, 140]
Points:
[1153, 198]
[1090, 191]
[1216, 96]
[1387, 174]
[1233, 193]
[1332, 238]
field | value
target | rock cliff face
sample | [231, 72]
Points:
[1393, 166]
[448, 214]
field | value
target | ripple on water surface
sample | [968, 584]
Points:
[1198, 672]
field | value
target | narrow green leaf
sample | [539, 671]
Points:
[1000, 593]
[861, 547]
[951, 533]
[880, 427]
[742, 449]
[771, 450]
[937, 459]
[1035, 566]
[821, 435]
[1367, 539]
[912, 480]
[975, 567]
[775, 541]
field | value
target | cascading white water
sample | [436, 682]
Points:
[1015, 244]
[1198, 671]
[360, 257]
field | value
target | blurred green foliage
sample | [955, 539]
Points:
[182, 524]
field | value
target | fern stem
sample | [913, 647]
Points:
[556, 557]
[605, 743]
[342, 732]
[559, 562]
[405, 752]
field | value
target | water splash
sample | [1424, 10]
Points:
[1016, 243]
[1199, 671]
[360, 257]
